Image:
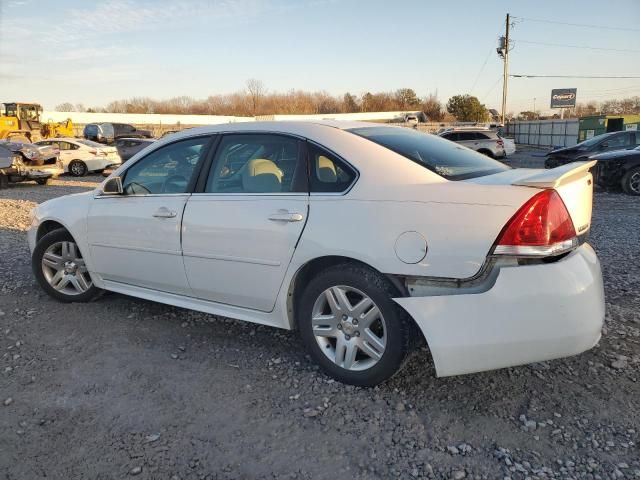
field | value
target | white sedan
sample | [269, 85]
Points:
[80, 156]
[364, 237]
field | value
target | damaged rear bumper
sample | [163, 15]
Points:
[532, 313]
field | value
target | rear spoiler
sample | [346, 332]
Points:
[555, 177]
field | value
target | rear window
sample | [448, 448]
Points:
[89, 143]
[447, 159]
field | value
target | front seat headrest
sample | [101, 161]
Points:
[262, 176]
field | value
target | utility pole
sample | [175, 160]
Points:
[534, 106]
[503, 51]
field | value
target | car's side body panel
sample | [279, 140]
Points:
[234, 253]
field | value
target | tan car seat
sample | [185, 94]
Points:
[262, 176]
[326, 170]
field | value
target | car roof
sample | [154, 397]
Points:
[296, 127]
[150, 140]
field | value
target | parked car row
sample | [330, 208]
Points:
[80, 156]
[618, 156]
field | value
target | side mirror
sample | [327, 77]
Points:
[113, 186]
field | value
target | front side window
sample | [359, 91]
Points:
[447, 159]
[618, 141]
[169, 169]
[327, 173]
[257, 163]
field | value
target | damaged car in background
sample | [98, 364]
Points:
[20, 162]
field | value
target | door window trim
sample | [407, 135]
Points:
[213, 139]
[309, 167]
[203, 177]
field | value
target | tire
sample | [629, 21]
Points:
[43, 181]
[486, 152]
[77, 168]
[631, 182]
[4, 181]
[391, 328]
[50, 250]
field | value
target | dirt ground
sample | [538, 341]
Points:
[124, 387]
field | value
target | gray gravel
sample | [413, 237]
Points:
[123, 387]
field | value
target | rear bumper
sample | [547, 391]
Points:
[532, 313]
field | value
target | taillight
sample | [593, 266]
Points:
[542, 227]
[500, 142]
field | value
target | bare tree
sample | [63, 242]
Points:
[65, 107]
[256, 91]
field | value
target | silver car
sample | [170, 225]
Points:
[481, 140]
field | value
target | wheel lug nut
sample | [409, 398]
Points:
[356, 333]
[344, 317]
[348, 337]
[355, 321]
[339, 326]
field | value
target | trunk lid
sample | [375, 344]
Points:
[573, 182]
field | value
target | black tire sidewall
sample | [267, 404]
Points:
[36, 264]
[84, 168]
[380, 291]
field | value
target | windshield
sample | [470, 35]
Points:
[446, 158]
[89, 143]
[593, 140]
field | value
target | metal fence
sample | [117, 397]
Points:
[544, 133]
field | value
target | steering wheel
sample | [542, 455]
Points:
[173, 183]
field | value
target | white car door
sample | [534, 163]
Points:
[239, 233]
[134, 238]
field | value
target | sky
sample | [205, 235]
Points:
[93, 52]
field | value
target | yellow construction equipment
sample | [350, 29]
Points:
[21, 122]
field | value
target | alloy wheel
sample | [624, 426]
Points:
[64, 268]
[349, 328]
[634, 183]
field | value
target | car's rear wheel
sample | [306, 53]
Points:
[78, 168]
[4, 181]
[631, 182]
[60, 269]
[43, 181]
[351, 326]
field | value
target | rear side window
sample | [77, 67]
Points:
[447, 159]
[481, 136]
[327, 173]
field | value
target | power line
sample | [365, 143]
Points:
[586, 47]
[481, 69]
[605, 27]
[491, 89]
[572, 76]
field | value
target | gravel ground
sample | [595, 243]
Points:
[123, 387]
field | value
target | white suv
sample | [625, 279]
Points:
[481, 140]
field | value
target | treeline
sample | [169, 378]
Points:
[625, 106]
[255, 100]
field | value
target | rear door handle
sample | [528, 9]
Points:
[164, 212]
[285, 216]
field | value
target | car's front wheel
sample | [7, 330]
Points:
[61, 270]
[352, 327]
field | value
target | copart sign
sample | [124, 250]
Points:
[563, 97]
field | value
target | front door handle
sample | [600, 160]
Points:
[164, 212]
[285, 216]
